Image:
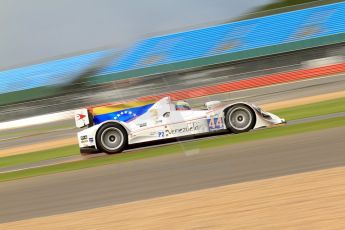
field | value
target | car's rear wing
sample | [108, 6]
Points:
[83, 118]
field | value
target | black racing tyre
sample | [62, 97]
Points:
[111, 138]
[240, 119]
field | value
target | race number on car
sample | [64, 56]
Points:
[215, 123]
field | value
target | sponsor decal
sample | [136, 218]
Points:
[154, 114]
[161, 134]
[159, 122]
[190, 128]
[83, 139]
[80, 116]
[143, 125]
[91, 140]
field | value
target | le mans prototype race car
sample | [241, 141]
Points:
[112, 128]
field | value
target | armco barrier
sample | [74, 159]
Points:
[252, 83]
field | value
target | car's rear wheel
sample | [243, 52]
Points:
[111, 138]
[240, 118]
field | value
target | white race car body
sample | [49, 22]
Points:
[161, 121]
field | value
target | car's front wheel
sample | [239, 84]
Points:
[111, 138]
[240, 118]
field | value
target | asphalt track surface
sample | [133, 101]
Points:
[179, 173]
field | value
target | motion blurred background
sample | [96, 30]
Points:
[62, 55]
[286, 56]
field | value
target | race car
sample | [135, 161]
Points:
[112, 128]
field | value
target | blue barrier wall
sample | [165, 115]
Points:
[49, 73]
[229, 38]
[233, 37]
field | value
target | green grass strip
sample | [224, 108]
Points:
[178, 148]
[311, 110]
[33, 157]
[29, 131]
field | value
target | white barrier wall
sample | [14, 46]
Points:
[37, 120]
